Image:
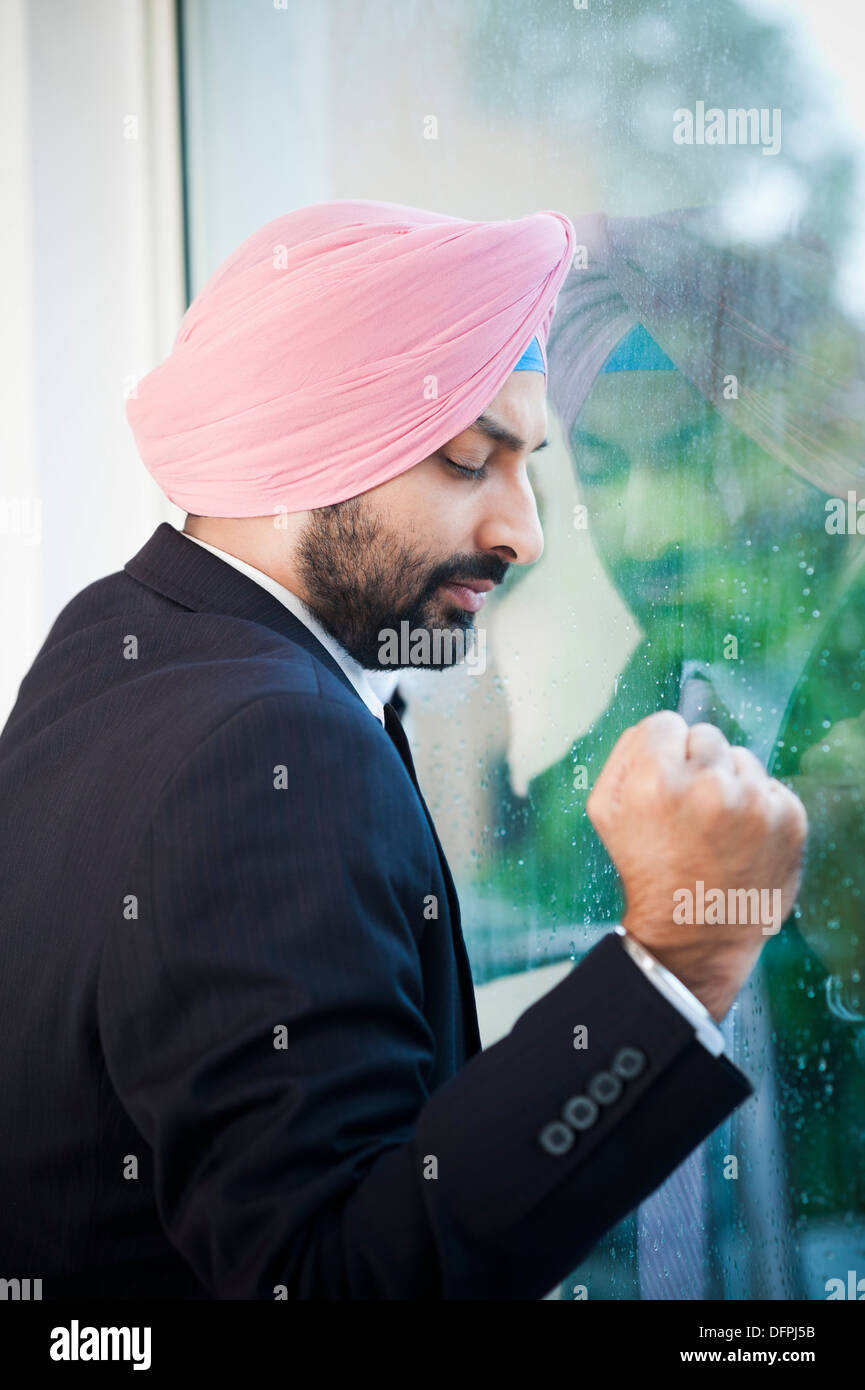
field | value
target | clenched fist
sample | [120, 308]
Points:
[709, 848]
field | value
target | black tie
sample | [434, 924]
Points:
[398, 737]
[393, 725]
[394, 728]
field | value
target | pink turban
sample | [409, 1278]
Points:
[337, 347]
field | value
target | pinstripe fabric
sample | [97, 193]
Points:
[215, 961]
[671, 1234]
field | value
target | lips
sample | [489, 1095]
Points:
[470, 595]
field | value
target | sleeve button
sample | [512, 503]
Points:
[580, 1112]
[556, 1138]
[604, 1087]
[628, 1063]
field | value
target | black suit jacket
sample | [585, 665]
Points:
[239, 1046]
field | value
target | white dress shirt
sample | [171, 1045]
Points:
[707, 1031]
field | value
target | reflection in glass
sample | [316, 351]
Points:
[706, 444]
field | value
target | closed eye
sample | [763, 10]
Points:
[600, 461]
[463, 469]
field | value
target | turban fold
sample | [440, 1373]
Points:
[340, 345]
[674, 290]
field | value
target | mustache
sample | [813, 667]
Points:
[462, 567]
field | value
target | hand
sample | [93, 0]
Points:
[678, 807]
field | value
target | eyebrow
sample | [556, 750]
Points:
[581, 436]
[494, 429]
[692, 430]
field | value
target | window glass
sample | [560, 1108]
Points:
[703, 550]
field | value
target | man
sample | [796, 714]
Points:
[242, 1057]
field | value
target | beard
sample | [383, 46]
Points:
[363, 580]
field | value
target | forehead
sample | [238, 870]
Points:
[521, 406]
[635, 405]
[643, 398]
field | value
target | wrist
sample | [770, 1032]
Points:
[676, 992]
[712, 975]
[716, 995]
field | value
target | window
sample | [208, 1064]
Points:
[700, 502]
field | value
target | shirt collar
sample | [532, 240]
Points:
[355, 672]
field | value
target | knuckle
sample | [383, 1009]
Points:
[755, 816]
[753, 801]
[597, 806]
[709, 792]
[707, 746]
[749, 765]
[708, 733]
[650, 788]
[660, 720]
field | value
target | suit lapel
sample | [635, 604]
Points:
[184, 572]
[180, 570]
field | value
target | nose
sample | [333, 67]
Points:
[653, 522]
[510, 525]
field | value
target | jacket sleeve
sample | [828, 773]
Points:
[262, 1023]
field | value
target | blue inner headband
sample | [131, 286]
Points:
[638, 352]
[531, 360]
